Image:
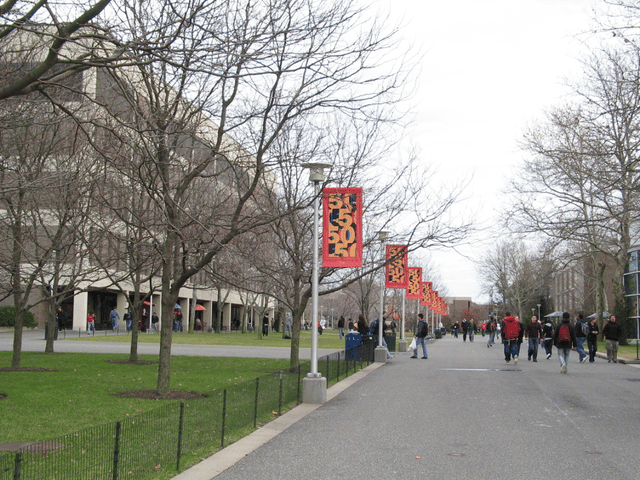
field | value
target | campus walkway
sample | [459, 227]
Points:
[461, 414]
[33, 341]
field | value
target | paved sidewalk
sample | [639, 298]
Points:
[33, 341]
[457, 415]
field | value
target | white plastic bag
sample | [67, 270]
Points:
[413, 344]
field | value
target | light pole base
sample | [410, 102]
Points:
[314, 390]
[380, 355]
[402, 346]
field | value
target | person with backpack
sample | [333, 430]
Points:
[582, 330]
[547, 337]
[564, 338]
[421, 333]
[510, 337]
[592, 339]
[492, 332]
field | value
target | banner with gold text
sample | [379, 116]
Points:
[396, 274]
[342, 227]
[426, 294]
[414, 290]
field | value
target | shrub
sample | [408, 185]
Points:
[8, 318]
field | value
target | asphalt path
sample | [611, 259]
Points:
[463, 414]
[33, 341]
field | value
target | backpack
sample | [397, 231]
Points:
[511, 330]
[585, 328]
[564, 336]
[424, 329]
[373, 328]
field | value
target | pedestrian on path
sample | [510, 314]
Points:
[114, 316]
[471, 327]
[612, 333]
[341, 327]
[547, 337]
[592, 339]
[91, 326]
[421, 333]
[582, 330]
[564, 338]
[533, 333]
[492, 332]
[510, 336]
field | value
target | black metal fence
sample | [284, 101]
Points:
[159, 440]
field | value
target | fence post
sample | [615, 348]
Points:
[328, 370]
[17, 466]
[224, 416]
[255, 405]
[180, 428]
[116, 450]
[338, 376]
[280, 396]
[299, 372]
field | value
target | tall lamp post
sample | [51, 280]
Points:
[314, 385]
[380, 353]
[539, 313]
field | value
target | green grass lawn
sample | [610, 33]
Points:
[80, 392]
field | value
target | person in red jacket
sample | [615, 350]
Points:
[510, 336]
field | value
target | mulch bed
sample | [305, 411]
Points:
[153, 395]
[135, 362]
[26, 369]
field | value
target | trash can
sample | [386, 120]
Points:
[391, 342]
[352, 342]
[438, 334]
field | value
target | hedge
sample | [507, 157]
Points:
[8, 318]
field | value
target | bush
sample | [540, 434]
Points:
[8, 318]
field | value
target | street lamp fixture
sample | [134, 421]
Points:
[314, 386]
[380, 354]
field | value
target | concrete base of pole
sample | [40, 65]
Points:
[380, 355]
[402, 346]
[314, 390]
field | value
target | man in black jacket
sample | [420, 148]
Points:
[612, 333]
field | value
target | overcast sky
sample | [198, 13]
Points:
[490, 68]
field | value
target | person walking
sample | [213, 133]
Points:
[61, 318]
[154, 321]
[582, 330]
[341, 327]
[533, 332]
[612, 333]
[91, 326]
[547, 337]
[564, 338]
[363, 326]
[114, 316]
[265, 324]
[510, 335]
[471, 327]
[465, 330]
[456, 329]
[492, 332]
[421, 332]
[592, 339]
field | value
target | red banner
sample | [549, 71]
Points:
[414, 290]
[426, 294]
[396, 274]
[342, 227]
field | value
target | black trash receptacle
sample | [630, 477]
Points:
[391, 342]
[438, 334]
[352, 342]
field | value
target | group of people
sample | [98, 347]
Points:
[468, 328]
[563, 336]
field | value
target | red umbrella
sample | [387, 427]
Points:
[200, 308]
